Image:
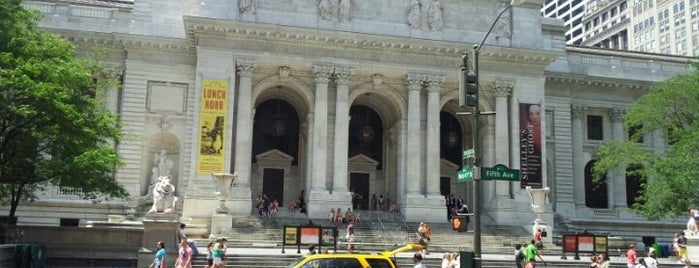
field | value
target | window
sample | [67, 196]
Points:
[595, 190]
[378, 263]
[594, 127]
[634, 134]
[634, 180]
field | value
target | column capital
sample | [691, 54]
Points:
[245, 68]
[414, 81]
[618, 114]
[578, 111]
[503, 88]
[343, 75]
[322, 73]
[434, 82]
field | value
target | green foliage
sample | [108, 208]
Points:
[671, 109]
[52, 128]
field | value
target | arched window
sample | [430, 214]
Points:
[595, 191]
[634, 180]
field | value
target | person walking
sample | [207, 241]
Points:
[210, 255]
[350, 236]
[184, 255]
[519, 256]
[181, 235]
[219, 252]
[631, 257]
[159, 260]
[417, 258]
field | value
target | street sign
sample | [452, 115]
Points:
[468, 154]
[465, 174]
[500, 172]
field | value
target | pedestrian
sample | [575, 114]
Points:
[184, 255]
[682, 244]
[446, 259]
[350, 236]
[210, 255]
[593, 262]
[641, 263]
[159, 260]
[533, 252]
[631, 257]
[219, 252]
[519, 256]
[651, 261]
[603, 260]
[191, 243]
[531, 263]
[417, 258]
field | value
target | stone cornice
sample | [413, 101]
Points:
[358, 46]
[591, 81]
[119, 41]
[590, 51]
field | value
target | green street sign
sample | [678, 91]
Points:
[465, 174]
[468, 154]
[500, 172]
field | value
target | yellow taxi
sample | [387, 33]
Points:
[352, 260]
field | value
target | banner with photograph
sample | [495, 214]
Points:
[212, 123]
[530, 145]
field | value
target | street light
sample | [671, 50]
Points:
[468, 95]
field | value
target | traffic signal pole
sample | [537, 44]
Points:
[469, 86]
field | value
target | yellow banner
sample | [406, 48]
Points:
[212, 120]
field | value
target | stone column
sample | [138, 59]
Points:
[319, 195]
[341, 131]
[432, 166]
[617, 185]
[413, 143]
[243, 141]
[241, 195]
[320, 126]
[502, 90]
[578, 113]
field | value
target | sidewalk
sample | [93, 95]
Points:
[292, 251]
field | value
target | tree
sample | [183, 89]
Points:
[671, 109]
[53, 131]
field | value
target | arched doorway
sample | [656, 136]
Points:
[365, 140]
[276, 138]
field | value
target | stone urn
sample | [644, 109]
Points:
[224, 183]
[538, 198]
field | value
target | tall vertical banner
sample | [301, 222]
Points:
[212, 123]
[530, 145]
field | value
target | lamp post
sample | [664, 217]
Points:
[470, 97]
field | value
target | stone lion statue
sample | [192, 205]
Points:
[164, 198]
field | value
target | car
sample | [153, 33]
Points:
[352, 260]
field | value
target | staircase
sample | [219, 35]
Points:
[379, 231]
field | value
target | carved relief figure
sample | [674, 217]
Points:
[163, 196]
[504, 24]
[326, 9]
[345, 10]
[434, 16]
[247, 5]
[414, 13]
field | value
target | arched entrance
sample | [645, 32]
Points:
[365, 152]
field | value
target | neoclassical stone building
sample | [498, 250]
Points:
[331, 97]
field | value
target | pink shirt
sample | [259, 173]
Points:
[631, 256]
[184, 254]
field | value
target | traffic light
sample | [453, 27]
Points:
[468, 88]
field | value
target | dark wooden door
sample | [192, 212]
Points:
[359, 184]
[273, 184]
